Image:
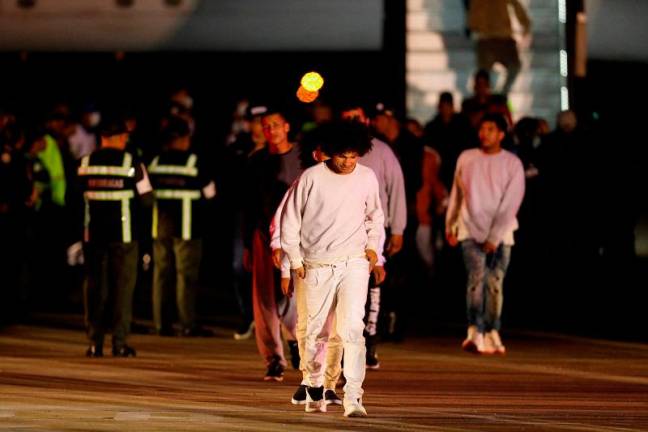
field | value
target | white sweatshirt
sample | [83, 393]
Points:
[329, 217]
[486, 195]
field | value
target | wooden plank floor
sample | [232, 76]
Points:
[546, 383]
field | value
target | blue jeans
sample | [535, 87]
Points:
[484, 291]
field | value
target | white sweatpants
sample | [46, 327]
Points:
[339, 289]
[334, 348]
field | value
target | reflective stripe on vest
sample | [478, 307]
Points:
[186, 196]
[126, 170]
[124, 197]
[189, 169]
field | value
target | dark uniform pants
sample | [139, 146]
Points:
[108, 291]
[176, 266]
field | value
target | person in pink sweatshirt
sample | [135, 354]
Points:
[486, 195]
[331, 229]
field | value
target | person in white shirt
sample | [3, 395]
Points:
[486, 195]
[331, 227]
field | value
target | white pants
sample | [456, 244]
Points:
[334, 348]
[338, 290]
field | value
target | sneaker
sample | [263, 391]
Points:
[494, 342]
[275, 371]
[94, 350]
[299, 397]
[330, 397]
[354, 408]
[124, 351]
[245, 331]
[315, 400]
[474, 342]
[294, 354]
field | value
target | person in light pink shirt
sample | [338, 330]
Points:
[486, 195]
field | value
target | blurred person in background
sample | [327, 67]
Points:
[391, 183]
[404, 270]
[490, 25]
[181, 188]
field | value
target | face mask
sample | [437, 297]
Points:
[94, 119]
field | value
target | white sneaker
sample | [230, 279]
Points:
[354, 408]
[494, 342]
[315, 400]
[474, 342]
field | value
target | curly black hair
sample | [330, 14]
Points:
[340, 137]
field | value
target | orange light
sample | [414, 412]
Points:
[306, 96]
[312, 81]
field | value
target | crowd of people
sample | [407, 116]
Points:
[333, 220]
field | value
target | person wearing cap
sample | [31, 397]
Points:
[181, 189]
[248, 139]
[486, 195]
[382, 160]
[110, 180]
[404, 270]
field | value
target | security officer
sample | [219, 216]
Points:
[181, 192]
[111, 179]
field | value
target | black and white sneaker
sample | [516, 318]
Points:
[330, 397]
[275, 371]
[315, 400]
[299, 398]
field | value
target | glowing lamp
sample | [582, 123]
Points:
[312, 81]
[306, 96]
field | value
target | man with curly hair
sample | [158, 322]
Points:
[331, 227]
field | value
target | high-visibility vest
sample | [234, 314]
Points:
[109, 188]
[177, 188]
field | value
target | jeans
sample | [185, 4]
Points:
[484, 291]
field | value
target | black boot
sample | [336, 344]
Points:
[372, 355]
[294, 354]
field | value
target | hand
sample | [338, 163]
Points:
[489, 247]
[452, 239]
[286, 287]
[300, 272]
[247, 260]
[75, 254]
[372, 257]
[379, 274]
[395, 244]
[276, 258]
